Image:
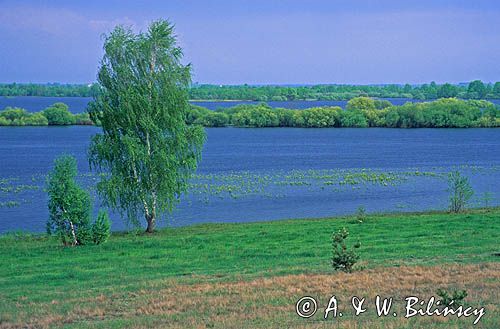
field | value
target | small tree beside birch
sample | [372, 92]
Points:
[69, 204]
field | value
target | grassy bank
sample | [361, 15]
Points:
[220, 275]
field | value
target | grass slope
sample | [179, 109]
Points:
[44, 284]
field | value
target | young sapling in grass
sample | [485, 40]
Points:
[343, 258]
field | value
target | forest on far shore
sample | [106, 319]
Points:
[360, 112]
[473, 90]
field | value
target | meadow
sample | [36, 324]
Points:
[250, 275]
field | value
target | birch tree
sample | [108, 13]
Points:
[146, 151]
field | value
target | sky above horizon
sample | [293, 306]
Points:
[264, 41]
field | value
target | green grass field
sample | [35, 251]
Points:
[137, 280]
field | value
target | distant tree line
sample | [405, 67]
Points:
[473, 90]
[46, 90]
[360, 112]
[57, 114]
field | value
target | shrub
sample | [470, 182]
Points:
[455, 299]
[321, 117]
[58, 114]
[82, 119]
[256, 116]
[353, 119]
[343, 258]
[101, 228]
[361, 103]
[70, 208]
[298, 119]
[213, 119]
[12, 114]
[196, 113]
[361, 214]
[21, 117]
[360, 112]
[486, 198]
[84, 234]
[69, 205]
[376, 118]
[4, 122]
[285, 117]
[460, 191]
[381, 104]
[35, 119]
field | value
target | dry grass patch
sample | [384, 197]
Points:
[270, 302]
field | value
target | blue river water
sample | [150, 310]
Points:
[252, 174]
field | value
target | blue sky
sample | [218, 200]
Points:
[264, 41]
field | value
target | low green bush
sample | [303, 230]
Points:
[101, 229]
[70, 208]
[343, 258]
[361, 214]
[460, 191]
[21, 117]
[69, 204]
[454, 299]
[58, 114]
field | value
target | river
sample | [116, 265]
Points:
[253, 174]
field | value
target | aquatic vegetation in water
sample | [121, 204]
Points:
[275, 184]
[12, 187]
[208, 187]
[9, 204]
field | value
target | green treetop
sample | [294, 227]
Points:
[146, 149]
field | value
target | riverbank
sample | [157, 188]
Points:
[360, 112]
[249, 275]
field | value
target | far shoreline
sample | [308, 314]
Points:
[262, 101]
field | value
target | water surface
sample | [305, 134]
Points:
[250, 174]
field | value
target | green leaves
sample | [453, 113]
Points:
[58, 114]
[69, 205]
[101, 229]
[70, 208]
[460, 191]
[343, 258]
[146, 148]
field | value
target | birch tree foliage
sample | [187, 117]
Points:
[146, 151]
